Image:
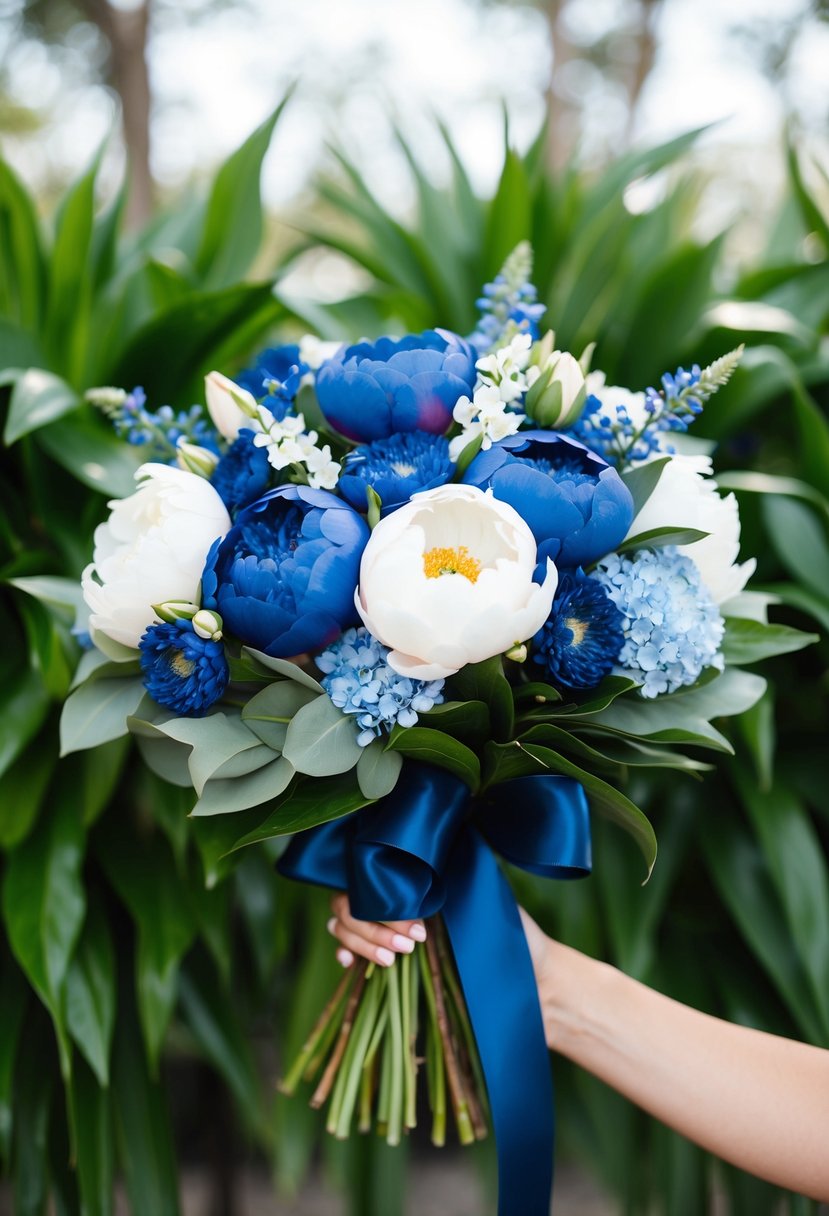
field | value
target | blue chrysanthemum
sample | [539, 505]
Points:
[581, 641]
[359, 681]
[396, 468]
[182, 671]
[242, 474]
[283, 578]
[672, 626]
[276, 373]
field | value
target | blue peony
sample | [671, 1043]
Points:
[284, 576]
[396, 468]
[242, 474]
[276, 372]
[374, 390]
[359, 681]
[576, 505]
[183, 671]
[672, 627]
[580, 642]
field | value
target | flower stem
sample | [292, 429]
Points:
[394, 1049]
[460, 1103]
[435, 1071]
[322, 1091]
[352, 1068]
[327, 1020]
[470, 1063]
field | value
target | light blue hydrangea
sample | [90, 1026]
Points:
[359, 681]
[672, 627]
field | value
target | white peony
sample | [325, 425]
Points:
[686, 496]
[151, 549]
[228, 416]
[446, 580]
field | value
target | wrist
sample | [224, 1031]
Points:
[575, 992]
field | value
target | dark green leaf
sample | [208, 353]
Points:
[90, 993]
[91, 1112]
[70, 279]
[486, 682]
[13, 999]
[25, 703]
[38, 398]
[657, 537]
[24, 787]
[23, 285]
[434, 747]
[750, 641]
[89, 450]
[642, 481]
[464, 720]
[800, 542]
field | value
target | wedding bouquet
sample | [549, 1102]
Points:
[417, 602]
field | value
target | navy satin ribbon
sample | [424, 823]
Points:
[428, 848]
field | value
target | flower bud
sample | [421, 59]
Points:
[195, 459]
[175, 610]
[230, 406]
[557, 396]
[517, 653]
[207, 624]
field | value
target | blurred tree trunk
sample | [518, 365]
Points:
[562, 115]
[126, 33]
[645, 57]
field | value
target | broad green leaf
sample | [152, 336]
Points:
[464, 720]
[70, 278]
[800, 542]
[90, 993]
[378, 770]
[750, 641]
[62, 595]
[508, 219]
[22, 287]
[97, 712]
[213, 740]
[434, 747]
[44, 904]
[94, 1141]
[142, 1123]
[305, 805]
[658, 537]
[758, 728]
[321, 739]
[769, 484]
[24, 788]
[486, 682]
[605, 798]
[269, 712]
[814, 605]
[24, 705]
[225, 797]
[642, 480]
[38, 398]
[233, 221]
[13, 998]
[33, 1098]
[90, 451]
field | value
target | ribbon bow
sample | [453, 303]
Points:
[428, 848]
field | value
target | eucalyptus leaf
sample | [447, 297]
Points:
[283, 667]
[269, 712]
[321, 739]
[213, 740]
[378, 770]
[223, 797]
[97, 712]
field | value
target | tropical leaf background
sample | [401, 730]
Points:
[149, 986]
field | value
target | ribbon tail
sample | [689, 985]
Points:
[498, 981]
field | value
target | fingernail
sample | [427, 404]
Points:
[404, 944]
[345, 958]
[418, 933]
[384, 956]
[332, 924]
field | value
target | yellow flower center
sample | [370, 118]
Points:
[181, 666]
[577, 628]
[451, 561]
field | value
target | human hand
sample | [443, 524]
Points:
[379, 943]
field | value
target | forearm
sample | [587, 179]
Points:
[754, 1099]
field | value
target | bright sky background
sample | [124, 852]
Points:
[362, 61]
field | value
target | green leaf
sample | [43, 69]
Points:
[283, 667]
[464, 720]
[44, 903]
[757, 726]
[232, 229]
[750, 641]
[486, 682]
[13, 1000]
[215, 741]
[268, 713]
[90, 993]
[33, 1098]
[23, 286]
[38, 398]
[70, 278]
[508, 219]
[321, 739]
[224, 797]
[643, 480]
[142, 1123]
[24, 788]
[94, 1145]
[685, 717]
[800, 542]
[144, 875]
[657, 537]
[434, 747]
[605, 798]
[63, 595]
[97, 712]
[378, 770]
[85, 446]
[768, 484]
[25, 703]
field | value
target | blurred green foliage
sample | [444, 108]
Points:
[123, 975]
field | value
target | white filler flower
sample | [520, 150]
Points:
[151, 549]
[447, 580]
[686, 496]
